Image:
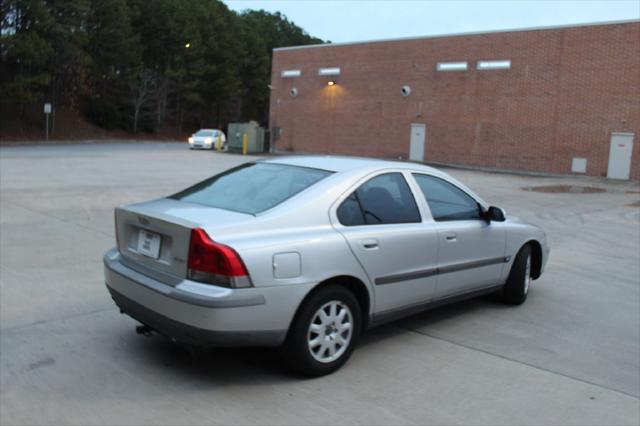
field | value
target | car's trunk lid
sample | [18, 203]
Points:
[156, 234]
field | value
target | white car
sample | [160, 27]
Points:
[208, 139]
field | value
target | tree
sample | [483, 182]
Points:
[145, 90]
[25, 52]
[139, 64]
[115, 62]
[70, 60]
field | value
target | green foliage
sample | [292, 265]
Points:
[25, 51]
[115, 52]
[140, 64]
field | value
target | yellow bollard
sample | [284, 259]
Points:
[219, 143]
[245, 143]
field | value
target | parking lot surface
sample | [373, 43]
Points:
[569, 355]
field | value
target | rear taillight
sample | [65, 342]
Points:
[215, 263]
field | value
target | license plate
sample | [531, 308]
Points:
[149, 244]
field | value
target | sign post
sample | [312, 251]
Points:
[47, 111]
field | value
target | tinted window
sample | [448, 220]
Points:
[447, 201]
[252, 188]
[349, 212]
[383, 199]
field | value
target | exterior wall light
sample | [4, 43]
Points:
[293, 92]
[290, 73]
[494, 65]
[451, 66]
[331, 83]
[406, 90]
[329, 71]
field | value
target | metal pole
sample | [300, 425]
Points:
[46, 127]
[245, 143]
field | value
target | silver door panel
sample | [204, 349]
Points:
[471, 255]
[398, 265]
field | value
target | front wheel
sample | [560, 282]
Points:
[516, 289]
[324, 332]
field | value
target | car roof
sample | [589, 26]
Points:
[336, 163]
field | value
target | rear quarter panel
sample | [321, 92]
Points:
[301, 225]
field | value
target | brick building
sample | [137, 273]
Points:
[559, 100]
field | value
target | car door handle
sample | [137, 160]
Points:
[452, 236]
[369, 243]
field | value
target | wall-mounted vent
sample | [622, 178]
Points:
[452, 66]
[579, 165]
[291, 73]
[494, 65]
[329, 71]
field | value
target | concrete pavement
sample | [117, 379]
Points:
[569, 355]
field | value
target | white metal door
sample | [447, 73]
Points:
[620, 155]
[416, 149]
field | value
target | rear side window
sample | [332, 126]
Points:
[252, 188]
[447, 201]
[383, 199]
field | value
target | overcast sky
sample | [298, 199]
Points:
[356, 20]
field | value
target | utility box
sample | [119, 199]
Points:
[255, 137]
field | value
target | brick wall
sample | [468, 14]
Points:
[567, 90]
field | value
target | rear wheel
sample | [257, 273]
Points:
[517, 287]
[324, 332]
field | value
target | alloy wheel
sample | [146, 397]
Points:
[330, 331]
[527, 275]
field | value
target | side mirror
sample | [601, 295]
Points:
[495, 214]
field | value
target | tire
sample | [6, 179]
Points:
[313, 347]
[516, 289]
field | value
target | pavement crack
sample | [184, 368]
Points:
[537, 367]
[47, 321]
[65, 221]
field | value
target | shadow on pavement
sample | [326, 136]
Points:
[264, 365]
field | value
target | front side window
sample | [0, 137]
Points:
[252, 188]
[383, 199]
[447, 201]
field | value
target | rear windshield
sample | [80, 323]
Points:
[252, 188]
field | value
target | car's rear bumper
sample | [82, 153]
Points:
[202, 314]
[187, 334]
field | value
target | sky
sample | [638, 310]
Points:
[360, 20]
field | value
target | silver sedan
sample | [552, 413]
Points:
[307, 252]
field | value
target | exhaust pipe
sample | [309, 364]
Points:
[144, 330]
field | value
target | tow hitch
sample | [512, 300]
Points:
[144, 330]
